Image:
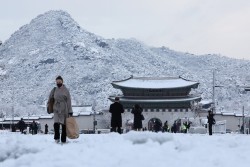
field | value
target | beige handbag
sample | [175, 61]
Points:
[72, 128]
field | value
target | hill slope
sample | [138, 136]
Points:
[54, 44]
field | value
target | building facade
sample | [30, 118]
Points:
[162, 99]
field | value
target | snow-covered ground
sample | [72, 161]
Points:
[132, 149]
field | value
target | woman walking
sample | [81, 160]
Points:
[137, 111]
[62, 108]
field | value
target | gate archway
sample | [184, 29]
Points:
[155, 125]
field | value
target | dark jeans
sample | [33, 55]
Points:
[210, 129]
[57, 132]
[116, 129]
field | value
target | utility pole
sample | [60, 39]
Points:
[94, 122]
[213, 90]
[243, 120]
[94, 114]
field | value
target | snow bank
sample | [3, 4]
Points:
[142, 138]
[132, 149]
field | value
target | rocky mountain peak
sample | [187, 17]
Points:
[54, 44]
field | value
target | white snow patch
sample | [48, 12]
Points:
[94, 50]
[33, 52]
[2, 72]
[142, 138]
[144, 149]
[82, 44]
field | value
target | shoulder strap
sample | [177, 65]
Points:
[54, 89]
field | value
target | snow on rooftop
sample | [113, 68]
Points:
[31, 117]
[204, 102]
[228, 113]
[12, 118]
[85, 113]
[155, 83]
[46, 116]
[240, 114]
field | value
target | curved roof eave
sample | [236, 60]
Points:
[195, 85]
[189, 99]
[155, 83]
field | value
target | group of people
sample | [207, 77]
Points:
[116, 109]
[177, 127]
[33, 127]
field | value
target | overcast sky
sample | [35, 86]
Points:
[194, 26]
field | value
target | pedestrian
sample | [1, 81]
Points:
[242, 129]
[188, 124]
[166, 127]
[46, 129]
[62, 108]
[34, 128]
[137, 111]
[21, 125]
[116, 109]
[174, 127]
[157, 126]
[184, 128]
[211, 121]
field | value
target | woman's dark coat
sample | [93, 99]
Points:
[137, 118]
[116, 110]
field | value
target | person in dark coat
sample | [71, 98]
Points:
[174, 127]
[137, 111]
[211, 121]
[46, 129]
[116, 109]
[157, 126]
[166, 127]
[242, 129]
[34, 128]
[21, 125]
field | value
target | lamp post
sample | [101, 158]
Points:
[3, 117]
[94, 115]
[12, 111]
[243, 120]
[213, 90]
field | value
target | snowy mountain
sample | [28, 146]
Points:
[54, 44]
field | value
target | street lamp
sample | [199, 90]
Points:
[243, 120]
[94, 114]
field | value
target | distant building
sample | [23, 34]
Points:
[84, 116]
[156, 93]
[162, 99]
